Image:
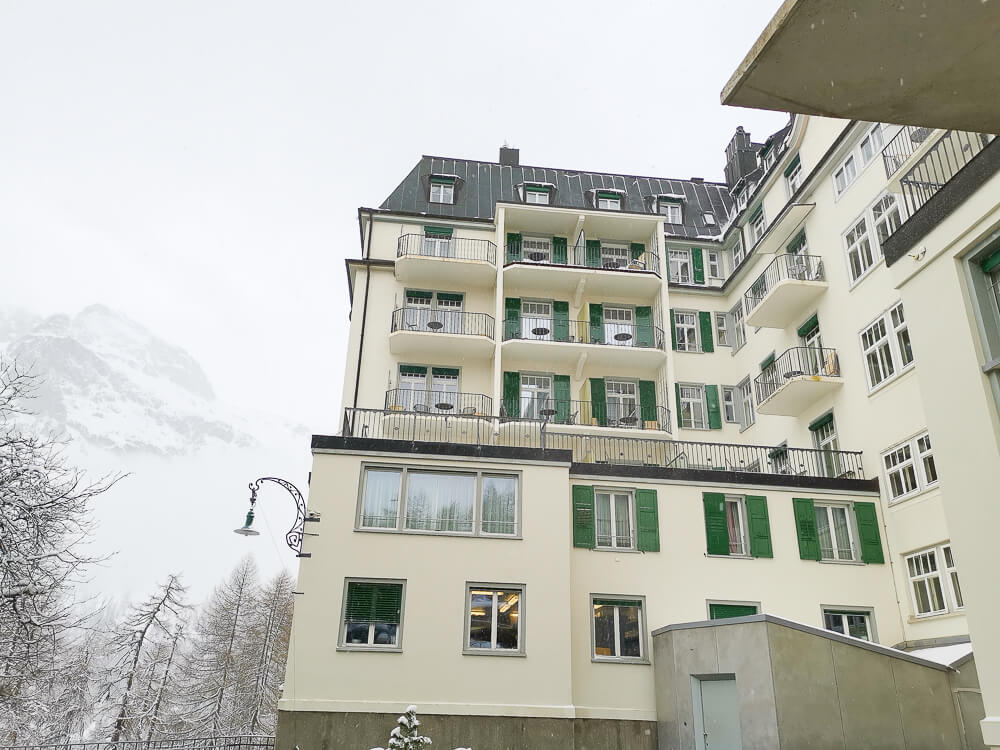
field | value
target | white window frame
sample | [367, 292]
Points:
[682, 257]
[887, 217]
[618, 252]
[531, 320]
[672, 211]
[845, 174]
[343, 645]
[739, 327]
[698, 399]
[757, 227]
[730, 397]
[540, 245]
[745, 408]
[608, 204]
[709, 218]
[852, 532]
[714, 268]
[741, 546]
[947, 577]
[843, 612]
[887, 339]
[856, 238]
[875, 225]
[827, 442]
[401, 510]
[537, 197]
[869, 139]
[443, 193]
[793, 180]
[739, 252]
[643, 657]
[611, 492]
[721, 329]
[621, 390]
[692, 330]
[493, 650]
[914, 454]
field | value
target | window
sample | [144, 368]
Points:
[538, 194]
[885, 212]
[909, 467]
[721, 329]
[739, 328]
[670, 208]
[738, 252]
[612, 201]
[536, 320]
[713, 259]
[442, 189]
[417, 392]
[680, 266]
[692, 406]
[934, 591]
[622, 402]
[618, 629]
[886, 347]
[736, 525]
[614, 514]
[779, 459]
[746, 413]
[686, 327]
[494, 619]
[729, 398]
[860, 255]
[855, 623]
[725, 610]
[834, 527]
[871, 144]
[793, 177]
[615, 255]
[536, 249]
[709, 218]
[824, 432]
[470, 503]
[437, 241]
[433, 311]
[845, 175]
[619, 325]
[536, 395]
[372, 616]
[757, 226]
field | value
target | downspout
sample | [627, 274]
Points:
[364, 308]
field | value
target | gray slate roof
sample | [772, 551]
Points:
[481, 184]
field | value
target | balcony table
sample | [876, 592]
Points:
[627, 420]
[537, 257]
[623, 336]
[435, 325]
[540, 331]
[444, 406]
[547, 412]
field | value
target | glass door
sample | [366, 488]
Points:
[623, 403]
[614, 256]
[536, 395]
[536, 320]
[449, 314]
[536, 250]
[444, 393]
[412, 394]
[813, 343]
[418, 312]
[619, 326]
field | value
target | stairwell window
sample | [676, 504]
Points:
[686, 326]
[886, 346]
[909, 467]
[934, 585]
[692, 406]
[618, 629]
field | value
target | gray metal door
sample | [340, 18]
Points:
[720, 716]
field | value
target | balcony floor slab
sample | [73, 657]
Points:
[567, 354]
[785, 303]
[798, 394]
[448, 347]
[433, 271]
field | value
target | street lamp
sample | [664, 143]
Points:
[294, 536]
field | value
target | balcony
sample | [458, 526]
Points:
[658, 452]
[907, 142]
[796, 380]
[604, 266]
[427, 260]
[788, 286]
[441, 333]
[438, 402]
[626, 414]
[938, 165]
[601, 344]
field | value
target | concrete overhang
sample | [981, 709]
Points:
[929, 63]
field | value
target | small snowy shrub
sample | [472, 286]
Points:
[406, 735]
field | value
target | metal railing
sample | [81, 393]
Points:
[789, 266]
[236, 742]
[434, 320]
[462, 248]
[902, 147]
[797, 361]
[609, 258]
[626, 414]
[635, 335]
[438, 402]
[601, 449]
[943, 160]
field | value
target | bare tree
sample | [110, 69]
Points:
[267, 650]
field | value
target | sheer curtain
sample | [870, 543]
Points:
[823, 531]
[623, 532]
[440, 502]
[602, 506]
[381, 504]
[499, 499]
[733, 526]
[843, 534]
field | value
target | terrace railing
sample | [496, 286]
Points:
[461, 248]
[797, 361]
[941, 163]
[626, 414]
[787, 266]
[438, 402]
[443, 321]
[607, 257]
[900, 148]
[635, 335]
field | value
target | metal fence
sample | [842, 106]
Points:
[627, 413]
[438, 320]
[797, 361]
[788, 266]
[900, 148]
[607, 257]
[608, 333]
[462, 248]
[587, 447]
[943, 160]
[236, 742]
[438, 402]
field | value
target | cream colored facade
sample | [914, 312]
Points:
[557, 675]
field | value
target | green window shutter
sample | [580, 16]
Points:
[792, 165]
[512, 318]
[560, 390]
[598, 401]
[388, 603]
[797, 243]
[536, 188]
[412, 370]
[360, 597]
[617, 602]
[716, 530]
[821, 422]
[697, 266]
[596, 324]
[637, 249]
[593, 253]
[584, 531]
[451, 297]
[416, 294]
[438, 179]
[759, 526]
[707, 342]
[647, 522]
[512, 394]
[871, 540]
[673, 330]
[991, 262]
[560, 321]
[756, 213]
[644, 326]
[725, 611]
[809, 326]
[677, 399]
[609, 195]
[805, 526]
[445, 371]
[513, 247]
[712, 404]
[647, 401]
[437, 231]
[767, 361]
[559, 250]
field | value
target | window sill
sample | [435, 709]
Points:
[868, 272]
[913, 619]
[417, 532]
[842, 562]
[894, 379]
[492, 652]
[611, 660]
[730, 557]
[616, 549]
[893, 502]
[373, 649]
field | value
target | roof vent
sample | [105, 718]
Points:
[510, 157]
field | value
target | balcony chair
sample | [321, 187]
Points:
[421, 408]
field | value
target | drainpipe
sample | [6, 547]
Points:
[364, 308]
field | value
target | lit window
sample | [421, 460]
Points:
[855, 623]
[909, 467]
[886, 347]
[680, 266]
[934, 591]
[692, 406]
[442, 189]
[373, 614]
[494, 619]
[611, 201]
[618, 629]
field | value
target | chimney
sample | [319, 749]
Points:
[741, 157]
[510, 157]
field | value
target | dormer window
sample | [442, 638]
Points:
[537, 194]
[608, 200]
[670, 207]
[442, 188]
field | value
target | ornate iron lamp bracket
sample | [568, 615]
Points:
[294, 536]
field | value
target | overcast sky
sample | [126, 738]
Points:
[199, 165]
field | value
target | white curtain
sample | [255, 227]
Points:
[499, 497]
[440, 502]
[381, 502]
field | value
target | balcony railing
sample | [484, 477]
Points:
[428, 320]
[635, 335]
[438, 402]
[461, 248]
[900, 148]
[617, 258]
[796, 362]
[598, 449]
[788, 266]
[943, 161]
[626, 414]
